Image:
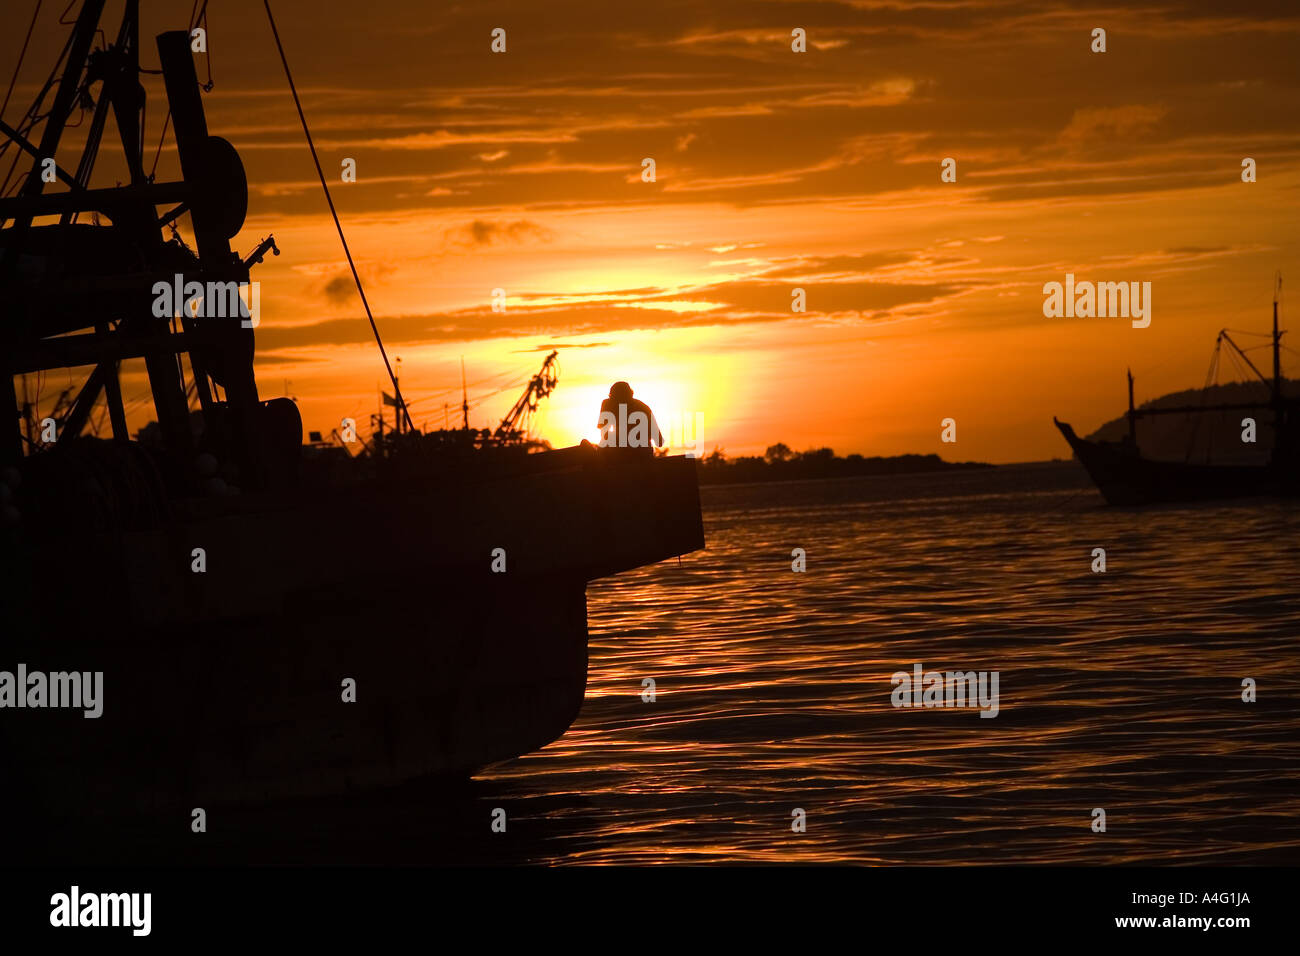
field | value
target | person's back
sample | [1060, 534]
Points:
[627, 422]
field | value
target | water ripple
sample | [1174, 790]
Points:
[1119, 690]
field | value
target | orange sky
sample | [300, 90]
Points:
[775, 170]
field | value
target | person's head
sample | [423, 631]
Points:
[620, 392]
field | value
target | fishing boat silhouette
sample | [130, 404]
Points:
[1125, 477]
[342, 620]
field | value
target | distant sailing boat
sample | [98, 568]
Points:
[1125, 477]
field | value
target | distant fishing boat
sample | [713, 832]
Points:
[1125, 477]
[343, 620]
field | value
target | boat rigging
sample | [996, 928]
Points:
[1124, 476]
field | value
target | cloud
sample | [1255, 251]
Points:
[545, 314]
[849, 264]
[485, 232]
[1091, 126]
[340, 290]
[549, 346]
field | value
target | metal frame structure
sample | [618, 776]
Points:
[75, 294]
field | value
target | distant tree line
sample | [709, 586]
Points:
[780, 463]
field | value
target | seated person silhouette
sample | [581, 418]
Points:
[628, 423]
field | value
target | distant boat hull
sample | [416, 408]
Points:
[1125, 478]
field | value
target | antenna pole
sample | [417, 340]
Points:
[464, 395]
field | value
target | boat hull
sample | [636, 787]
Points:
[1125, 478]
[357, 638]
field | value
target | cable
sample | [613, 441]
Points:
[520, 376]
[168, 118]
[32, 114]
[21, 56]
[207, 53]
[158, 154]
[397, 392]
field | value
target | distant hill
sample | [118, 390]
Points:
[1210, 436]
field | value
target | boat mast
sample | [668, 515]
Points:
[1283, 415]
[1277, 346]
[1132, 415]
[78, 48]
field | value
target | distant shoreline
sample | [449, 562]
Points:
[780, 464]
[1027, 481]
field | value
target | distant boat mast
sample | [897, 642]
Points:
[1277, 346]
[464, 395]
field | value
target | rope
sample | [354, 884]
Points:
[21, 57]
[334, 213]
[31, 116]
[207, 55]
[203, 16]
[520, 376]
[158, 154]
